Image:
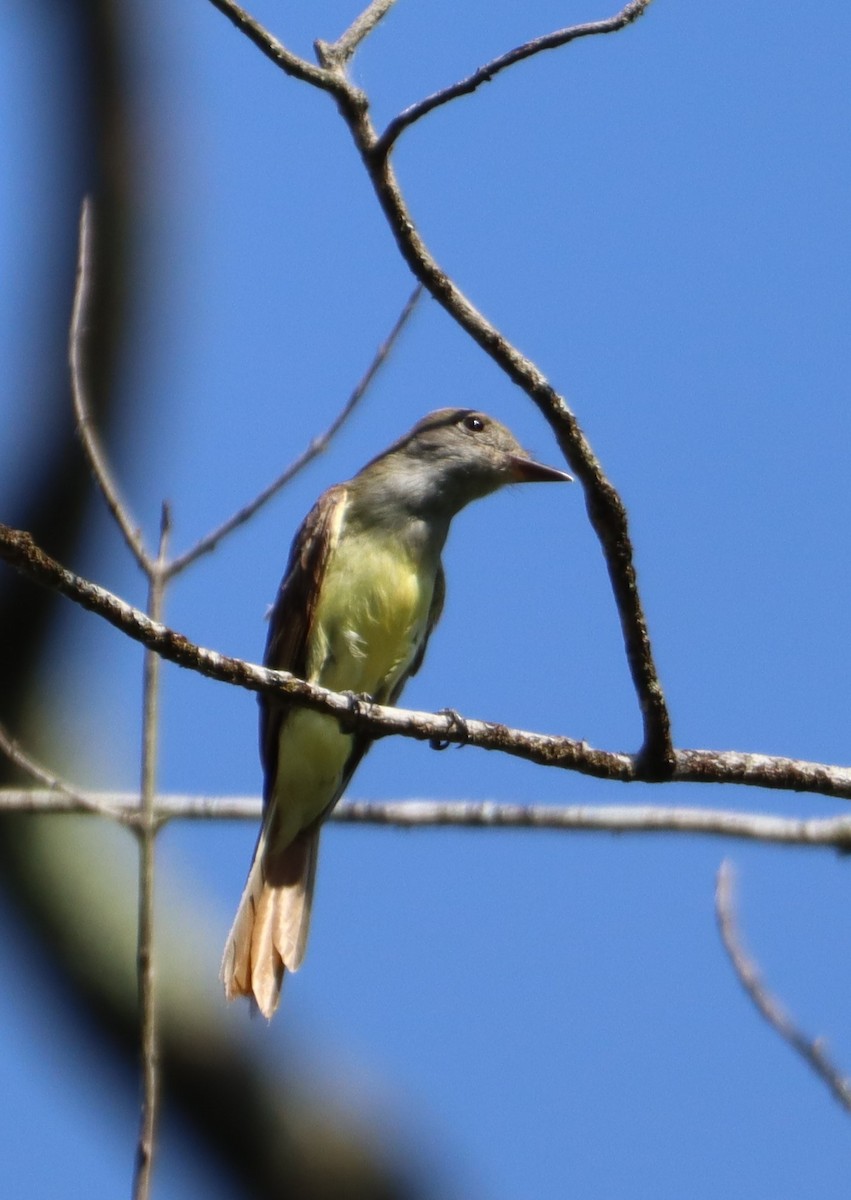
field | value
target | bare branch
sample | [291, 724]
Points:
[832, 833]
[825, 832]
[88, 434]
[19, 549]
[605, 507]
[747, 970]
[336, 54]
[316, 447]
[465, 87]
[690, 766]
[125, 805]
[292, 64]
[147, 830]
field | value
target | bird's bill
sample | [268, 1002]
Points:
[526, 470]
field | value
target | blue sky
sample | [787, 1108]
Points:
[660, 220]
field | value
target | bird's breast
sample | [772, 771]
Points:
[372, 614]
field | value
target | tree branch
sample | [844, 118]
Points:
[147, 829]
[832, 833]
[337, 54]
[605, 507]
[747, 970]
[465, 87]
[695, 766]
[316, 447]
[85, 427]
[292, 64]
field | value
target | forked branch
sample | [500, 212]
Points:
[465, 87]
[318, 446]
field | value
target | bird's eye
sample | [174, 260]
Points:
[474, 424]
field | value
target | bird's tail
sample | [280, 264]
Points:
[269, 933]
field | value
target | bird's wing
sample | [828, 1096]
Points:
[290, 625]
[292, 616]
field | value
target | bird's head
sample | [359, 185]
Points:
[457, 455]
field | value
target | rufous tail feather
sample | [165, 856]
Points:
[269, 933]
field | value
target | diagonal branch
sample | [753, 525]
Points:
[316, 447]
[687, 766]
[747, 970]
[19, 549]
[465, 87]
[85, 427]
[337, 54]
[292, 64]
[605, 507]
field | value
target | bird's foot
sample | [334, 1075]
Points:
[355, 702]
[458, 722]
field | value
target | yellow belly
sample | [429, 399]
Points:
[369, 623]
[371, 618]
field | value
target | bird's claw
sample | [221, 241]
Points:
[354, 702]
[456, 720]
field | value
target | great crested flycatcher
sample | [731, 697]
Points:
[362, 591]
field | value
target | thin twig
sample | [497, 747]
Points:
[77, 800]
[336, 54]
[687, 766]
[811, 1050]
[147, 831]
[85, 427]
[316, 447]
[831, 833]
[550, 41]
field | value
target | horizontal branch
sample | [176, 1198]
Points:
[823, 832]
[357, 712]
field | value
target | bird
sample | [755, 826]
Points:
[362, 590]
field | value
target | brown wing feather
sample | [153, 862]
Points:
[291, 619]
